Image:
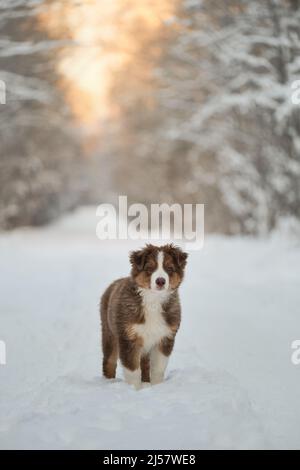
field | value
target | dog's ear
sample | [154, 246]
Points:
[182, 257]
[179, 256]
[137, 259]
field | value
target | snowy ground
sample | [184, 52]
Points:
[230, 382]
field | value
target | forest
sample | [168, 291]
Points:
[185, 101]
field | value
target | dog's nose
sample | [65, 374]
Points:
[160, 281]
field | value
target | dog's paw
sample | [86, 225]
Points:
[146, 385]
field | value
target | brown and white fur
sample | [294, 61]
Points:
[140, 315]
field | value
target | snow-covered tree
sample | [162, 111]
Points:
[37, 145]
[218, 124]
[231, 95]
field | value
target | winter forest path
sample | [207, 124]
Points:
[230, 382]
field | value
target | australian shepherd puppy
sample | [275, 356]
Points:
[140, 315]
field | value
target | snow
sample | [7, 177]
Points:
[230, 382]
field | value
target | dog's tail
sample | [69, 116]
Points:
[109, 341]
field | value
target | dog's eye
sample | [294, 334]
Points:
[170, 270]
[148, 268]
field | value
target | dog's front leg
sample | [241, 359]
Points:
[159, 359]
[158, 364]
[130, 355]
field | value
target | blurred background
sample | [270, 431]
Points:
[161, 100]
[174, 101]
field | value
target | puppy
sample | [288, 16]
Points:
[140, 315]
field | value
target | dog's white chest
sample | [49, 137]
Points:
[155, 327]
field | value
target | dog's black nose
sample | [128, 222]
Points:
[160, 281]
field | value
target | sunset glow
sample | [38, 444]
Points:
[105, 37]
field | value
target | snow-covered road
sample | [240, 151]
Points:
[230, 382]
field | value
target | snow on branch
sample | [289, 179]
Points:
[26, 88]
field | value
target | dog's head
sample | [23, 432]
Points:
[159, 268]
